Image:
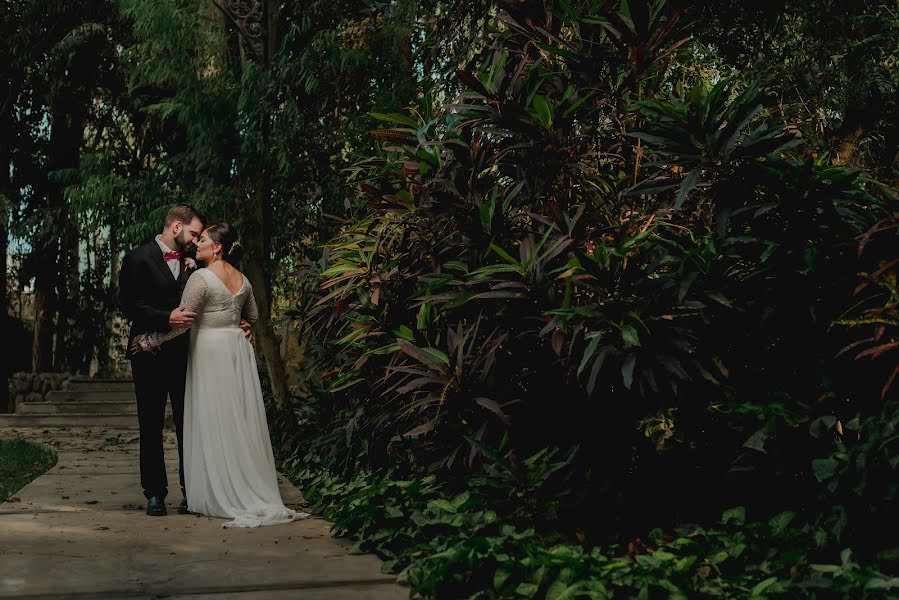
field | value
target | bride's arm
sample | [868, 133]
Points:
[192, 299]
[250, 312]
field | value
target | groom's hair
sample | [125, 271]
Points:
[182, 212]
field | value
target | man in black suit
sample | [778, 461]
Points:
[150, 285]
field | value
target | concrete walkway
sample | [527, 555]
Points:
[80, 532]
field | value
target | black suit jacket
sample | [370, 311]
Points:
[148, 292]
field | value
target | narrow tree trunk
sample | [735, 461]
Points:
[64, 312]
[8, 91]
[61, 332]
[254, 200]
[256, 236]
[849, 135]
[5, 318]
[58, 256]
[74, 355]
[106, 349]
[5, 194]
[258, 219]
[265, 332]
[404, 91]
[46, 273]
[848, 146]
[44, 307]
[4, 256]
[99, 274]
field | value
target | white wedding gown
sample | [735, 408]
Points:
[229, 468]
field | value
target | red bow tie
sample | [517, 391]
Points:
[173, 255]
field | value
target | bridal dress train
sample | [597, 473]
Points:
[229, 467]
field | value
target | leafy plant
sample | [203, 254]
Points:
[450, 545]
[504, 275]
[878, 308]
[566, 293]
[703, 135]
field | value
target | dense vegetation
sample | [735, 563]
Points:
[595, 298]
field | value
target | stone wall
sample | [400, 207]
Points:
[33, 387]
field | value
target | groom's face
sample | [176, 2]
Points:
[188, 234]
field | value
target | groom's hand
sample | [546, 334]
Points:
[246, 330]
[181, 317]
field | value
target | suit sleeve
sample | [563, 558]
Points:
[134, 303]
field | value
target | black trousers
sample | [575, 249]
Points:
[158, 377]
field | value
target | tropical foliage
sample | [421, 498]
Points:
[589, 256]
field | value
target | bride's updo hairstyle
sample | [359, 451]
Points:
[224, 234]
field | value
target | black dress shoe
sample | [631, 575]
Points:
[182, 508]
[156, 507]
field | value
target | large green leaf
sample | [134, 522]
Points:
[629, 335]
[544, 111]
[395, 118]
[431, 357]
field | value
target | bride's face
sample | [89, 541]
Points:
[206, 248]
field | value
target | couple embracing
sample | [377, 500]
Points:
[226, 464]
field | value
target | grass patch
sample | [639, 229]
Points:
[21, 463]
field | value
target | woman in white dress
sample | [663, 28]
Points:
[229, 468]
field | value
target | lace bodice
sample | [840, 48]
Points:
[215, 305]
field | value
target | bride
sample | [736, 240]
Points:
[228, 463]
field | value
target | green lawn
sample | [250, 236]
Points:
[20, 463]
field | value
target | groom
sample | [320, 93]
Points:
[150, 285]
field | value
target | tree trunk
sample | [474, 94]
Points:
[107, 271]
[58, 250]
[254, 266]
[46, 274]
[74, 355]
[5, 202]
[404, 90]
[4, 257]
[66, 298]
[848, 146]
[258, 223]
[44, 307]
[5, 317]
[848, 137]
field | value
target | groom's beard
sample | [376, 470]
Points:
[181, 243]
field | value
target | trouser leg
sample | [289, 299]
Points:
[178, 373]
[151, 396]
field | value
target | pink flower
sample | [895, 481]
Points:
[190, 263]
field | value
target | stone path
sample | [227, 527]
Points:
[80, 532]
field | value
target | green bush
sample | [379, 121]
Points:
[633, 284]
[451, 545]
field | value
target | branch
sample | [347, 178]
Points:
[241, 30]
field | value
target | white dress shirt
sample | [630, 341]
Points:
[173, 264]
